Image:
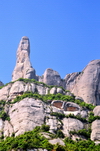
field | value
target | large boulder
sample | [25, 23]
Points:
[87, 83]
[71, 124]
[23, 68]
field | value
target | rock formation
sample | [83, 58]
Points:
[23, 68]
[70, 80]
[28, 113]
[26, 103]
[83, 84]
[51, 77]
[87, 84]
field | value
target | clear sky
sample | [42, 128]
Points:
[64, 34]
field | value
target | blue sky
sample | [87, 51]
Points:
[64, 34]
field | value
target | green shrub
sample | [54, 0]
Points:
[92, 118]
[60, 134]
[45, 127]
[4, 115]
[83, 132]
[61, 116]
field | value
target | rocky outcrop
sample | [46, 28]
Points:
[60, 113]
[12, 90]
[29, 112]
[70, 124]
[87, 83]
[70, 80]
[96, 111]
[57, 141]
[95, 135]
[23, 68]
[83, 84]
[24, 116]
[51, 77]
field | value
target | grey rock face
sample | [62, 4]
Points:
[70, 124]
[88, 83]
[95, 135]
[23, 68]
[4, 92]
[25, 116]
[57, 141]
[51, 77]
[96, 111]
[53, 123]
[53, 90]
[70, 80]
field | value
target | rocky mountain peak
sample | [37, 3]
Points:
[23, 68]
[23, 51]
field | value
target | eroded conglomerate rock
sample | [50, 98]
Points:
[87, 83]
[23, 68]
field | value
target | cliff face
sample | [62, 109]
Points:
[29, 100]
[29, 103]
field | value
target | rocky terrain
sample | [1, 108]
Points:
[65, 108]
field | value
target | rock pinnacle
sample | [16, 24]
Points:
[23, 68]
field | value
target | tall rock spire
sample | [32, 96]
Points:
[23, 68]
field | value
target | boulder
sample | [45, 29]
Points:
[59, 90]
[42, 90]
[57, 141]
[95, 135]
[71, 124]
[51, 77]
[53, 123]
[23, 68]
[96, 111]
[53, 90]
